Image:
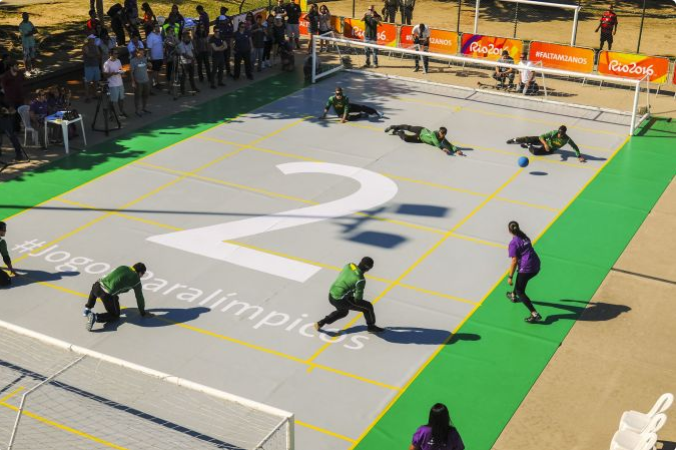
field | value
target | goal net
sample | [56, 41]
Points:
[594, 97]
[55, 395]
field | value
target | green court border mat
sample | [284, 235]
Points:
[486, 370]
[58, 177]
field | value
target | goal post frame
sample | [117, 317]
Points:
[535, 3]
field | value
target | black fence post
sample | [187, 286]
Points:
[457, 28]
[640, 31]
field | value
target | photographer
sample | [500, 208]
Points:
[421, 39]
[7, 120]
[112, 71]
[186, 55]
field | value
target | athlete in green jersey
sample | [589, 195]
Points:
[548, 143]
[346, 110]
[108, 288]
[347, 294]
[426, 136]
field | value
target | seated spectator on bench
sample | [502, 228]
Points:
[527, 85]
[505, 73]
[39, 109]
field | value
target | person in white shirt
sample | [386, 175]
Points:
[155, 44]
[112, 70]
[186, 56]
[527, 85]
[421, 42]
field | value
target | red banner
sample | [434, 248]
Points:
[387, 32]
[632, 65]
[304, 25]
[441, 41]
[490, 47]
[564, 57]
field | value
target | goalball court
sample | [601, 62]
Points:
[244, 226]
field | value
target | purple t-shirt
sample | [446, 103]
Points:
[423, 440]
[523, 251]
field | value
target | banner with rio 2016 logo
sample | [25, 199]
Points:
[490, 47]
[564, 57]
[632, 65]
[354, 29]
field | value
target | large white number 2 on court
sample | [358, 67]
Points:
[374, 190]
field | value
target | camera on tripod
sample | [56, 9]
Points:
[102, 88]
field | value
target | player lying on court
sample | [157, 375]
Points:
[346, 110]
[547, 143]
[347, 294]
[108, 288]
[426, 136]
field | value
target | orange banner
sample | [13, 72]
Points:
[441, 41]
[674, 80]
[387, 33]
[337, 24]
[490, 47]
[632, 65]
[304, 26]
[564, 57]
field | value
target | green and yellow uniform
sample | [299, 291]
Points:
[340, 105]
[122, 280]
[350, 283]
[555, 142]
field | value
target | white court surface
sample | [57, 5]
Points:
[244, 227]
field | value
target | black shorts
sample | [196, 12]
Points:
[607, 37]
[156, 64]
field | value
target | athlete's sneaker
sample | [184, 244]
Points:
[380, 114]
[533, 318]
[86, 312]
[525, 145]
[90, 321]
[512, 297]
[318, 327]
[374, 329]
[511, 141]
[388, 129]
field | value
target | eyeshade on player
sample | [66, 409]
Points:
[548, 143]
[346, 110]
[426, 136]
[108, 288]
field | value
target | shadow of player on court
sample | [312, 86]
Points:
[162, 317]
[568, 154]
[412, 335]
[595, 312]
[29, 276]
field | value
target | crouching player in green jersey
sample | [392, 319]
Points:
[346, 110]
[548, 143]
[347, 294]
[426, 136]
[108, 288]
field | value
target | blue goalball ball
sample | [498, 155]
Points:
[523, 161]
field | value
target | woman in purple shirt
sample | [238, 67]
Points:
[523, 255]
[438, 434]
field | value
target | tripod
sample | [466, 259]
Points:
[6, 127]
[103, 104]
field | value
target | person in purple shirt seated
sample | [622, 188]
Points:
[438, 434]
[39, 109]
[523, 255]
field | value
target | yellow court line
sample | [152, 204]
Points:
[495, 285]
[62, 427]
[321, 430]
[530, 205]
[504, 115]
[422, 258]
[11, 394]
[259, 149]
[477, 240]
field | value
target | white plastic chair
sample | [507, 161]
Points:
[637, 421]
[24, 112]
[628, 440]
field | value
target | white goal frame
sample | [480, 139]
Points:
[535, 3]
[634, 124]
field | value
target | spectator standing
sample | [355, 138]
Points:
[91, 55]
[186, 55]
[93, 25]
[39, 109]
[439, 433]
[8, 128]
[505, 73]
[421, 42]
[224, 23]
[527, 85]
[279, 10]
[149, 20]
[371, 20]
[249, 21]
[176, 18]
[390, 10]
[407, 11]
[27, 30]
[171, 55]
[105, 42]
[324, 25]
[243, 46]
[278, 35]
[135, 44]
[155, 45]
[131, 11]
[140, 81]
[201, 44]
[12, 85]
[608, 27]
[218, 47]
[293, 13]
[112, 70]
[203, 17]
[117, 20]
[312, 19]
[269, 40]
[258, 41]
